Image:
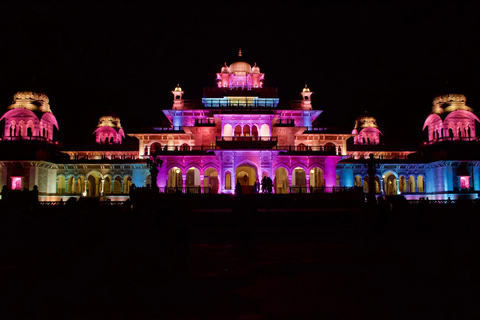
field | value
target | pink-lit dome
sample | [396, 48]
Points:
[255, 69]
[109, 130]
[29, 118]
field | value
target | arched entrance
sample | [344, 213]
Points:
[411, 184]
[299, 181]
[246, 174]
[175, 181]
[390, 184]
[192, 181]
[281, 183]
[61, 185]
[93, 184]
[317, 183]
[107, 185]
[210, 180]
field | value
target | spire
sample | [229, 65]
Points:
[240, 52]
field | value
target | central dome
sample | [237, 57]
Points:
[240, 66]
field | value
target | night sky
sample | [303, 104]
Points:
[126, 56]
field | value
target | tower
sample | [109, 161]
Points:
[29, 118]
[306, 98]
[451, 119]
[178, 102]
[109, 130]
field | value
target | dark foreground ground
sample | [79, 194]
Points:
[172, 261]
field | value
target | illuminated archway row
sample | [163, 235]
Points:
[93, 184]
[391, 183]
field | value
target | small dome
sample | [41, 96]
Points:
[31, 100]
[306, 89]
[177, 88]
[109, 121]
[225, 68]
[255, 69]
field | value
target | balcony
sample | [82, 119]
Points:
[285, 123]
[205, 122]
[246, 142]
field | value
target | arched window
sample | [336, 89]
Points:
[330, 147]
[185, 147]
[246, 130]
[238, 131]
[155, 147]
[301, 147]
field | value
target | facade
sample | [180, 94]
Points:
[238, 133]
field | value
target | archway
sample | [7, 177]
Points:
[238, 131]
[175, 180]
[91, 186]
[227, 130]
[421, 184]
[411, 184]
[390, 184]
[264, 130]
[210, 180]
[71, 184]
[61, 185]
[246, 174]
[81, 185]
[365, 184]
[299, 181]
[107, 185]
[254, 132]
[281, 183]
[317, 183]
[127, 183]
[192, 180]
[357, 183]
[155, 147]
[403, 184]
[117, 185]
[246, 130]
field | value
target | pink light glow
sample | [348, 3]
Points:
[16, 183]
[465, 182]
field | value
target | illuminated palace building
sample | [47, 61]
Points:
[240, 131]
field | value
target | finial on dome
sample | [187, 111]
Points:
[177, 88]
[240, 52]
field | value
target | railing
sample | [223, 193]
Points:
[441, 139]
[180, 149]
[19, 138]
[305, 189]
[266, 103]
[325, 149]
[285, 123]
[253, 138]
[192, 189]
[205, 122]
[172, 128]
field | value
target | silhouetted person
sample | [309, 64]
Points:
[238, 187]
[256, 186]
[264, 184]
[269, 185]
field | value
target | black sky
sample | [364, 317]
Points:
[92, 56]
